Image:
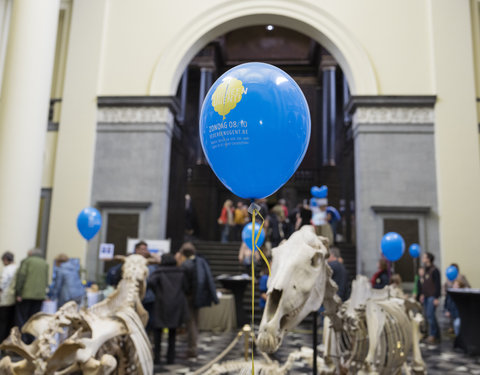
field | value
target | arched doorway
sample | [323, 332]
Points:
[329, 159]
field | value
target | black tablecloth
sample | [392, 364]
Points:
[237, 284]
[468, 304]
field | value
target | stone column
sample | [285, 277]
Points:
[394, 170]
[328, 67]
[132, 162]
[206, 74]
[183, 96]
[23, 120]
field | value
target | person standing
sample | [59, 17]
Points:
[429, 295]
[67, 285]
[339, 274]
[240, 219]
[170, 308]
[380, 279]
[226, 220]
[199, 289]
[320, 219]
[7, 298]
[30, 288]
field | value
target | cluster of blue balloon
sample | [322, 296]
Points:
[254, 115]
[393, 247]
[89, 222]
[319, 192]
[248, 234]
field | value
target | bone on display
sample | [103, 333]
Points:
[107, 338]
[371, 333]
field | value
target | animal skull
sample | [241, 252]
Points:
[296, 286]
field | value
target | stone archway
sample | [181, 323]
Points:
[305, 18]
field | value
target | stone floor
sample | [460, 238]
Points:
[440, 359]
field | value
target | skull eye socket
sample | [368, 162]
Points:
[315, 261]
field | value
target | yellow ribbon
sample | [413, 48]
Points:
[254, 246]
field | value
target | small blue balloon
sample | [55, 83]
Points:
[392, 246]
[247, 235]
[313, 202]
[415, 250]
[254, 115]
[323, 191]
[452, 273]
[89, 222]
[315, 190]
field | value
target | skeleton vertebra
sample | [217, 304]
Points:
[107, 338]
[371, 333]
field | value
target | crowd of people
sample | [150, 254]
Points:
[427, 290]
[177, 287]
[25, 287]
[179, 284]
[280, 221]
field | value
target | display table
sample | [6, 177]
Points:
[468, 305]
[237, 284]
[218, 318]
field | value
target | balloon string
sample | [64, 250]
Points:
[255, 247]
[254, 244]
[256, 241]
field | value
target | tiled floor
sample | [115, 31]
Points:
[441, 359]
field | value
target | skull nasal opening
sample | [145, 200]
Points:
[273, 301]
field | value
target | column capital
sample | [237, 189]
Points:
[140, 101]
[355, 102]
[328, 63]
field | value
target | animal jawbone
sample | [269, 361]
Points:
[271, 333]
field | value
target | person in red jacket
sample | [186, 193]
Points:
[380, 279]
[226, 220]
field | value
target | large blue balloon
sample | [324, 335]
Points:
[89, 222]
[452, 273]
[393, 246]
[254, 129]
[247, 235]
[414, 250]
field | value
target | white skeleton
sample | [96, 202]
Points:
[371, 333]
[107, 338]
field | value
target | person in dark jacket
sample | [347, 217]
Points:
[430, 290]
[199, 289]
[381, 279]
[339, 275]
[170, 308]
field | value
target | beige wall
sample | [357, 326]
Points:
[395, 39]
[401, 47]
[456, 135]
[72, 178]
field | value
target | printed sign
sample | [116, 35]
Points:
[106, 251]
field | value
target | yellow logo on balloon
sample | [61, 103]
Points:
[227, 95]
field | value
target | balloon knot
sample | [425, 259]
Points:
[254, 207]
